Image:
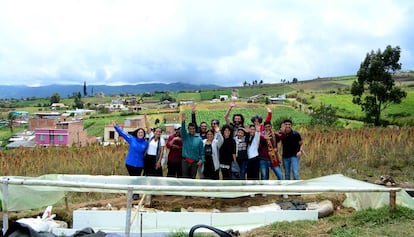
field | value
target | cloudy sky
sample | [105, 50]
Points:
[221, 42]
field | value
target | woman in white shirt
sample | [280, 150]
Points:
[212, 145]
[155, 151]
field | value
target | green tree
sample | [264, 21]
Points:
[324, 115]
[78, 101]
[85, 93]
[55, 98]
[11, 117]
[374, 90]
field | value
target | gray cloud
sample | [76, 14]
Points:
[214, 42]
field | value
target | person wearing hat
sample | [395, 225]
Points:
[175, 146]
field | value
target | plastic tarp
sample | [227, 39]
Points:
[25, 193]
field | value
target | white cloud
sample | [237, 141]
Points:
[220, 42]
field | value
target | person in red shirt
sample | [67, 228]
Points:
[175, 146]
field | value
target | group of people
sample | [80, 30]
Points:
[213, 152]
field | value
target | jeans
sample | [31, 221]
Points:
[291, 164]
[264, 170]
[243, 168]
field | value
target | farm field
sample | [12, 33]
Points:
[359, 152]
[364, 154]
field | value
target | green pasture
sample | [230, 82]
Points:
[347, 109]
[210, 94]
[270, 90]
[188, 96]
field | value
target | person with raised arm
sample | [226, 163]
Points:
[134, 161]
[253, 162]
[268, 153]
[175, 146]
[211, 149]
[202, 129]
[155, 151]
[193, 149]
[237, 121]
[258, 118]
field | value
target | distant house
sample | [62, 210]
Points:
[64, 133]
[79, 112]
[21, 117]
[173, 105]
[131, 101]
[130, 125]
[23, 136]
[44, 120]
[20, 113]
[277, 99]
[23, 143]
[256, 97]
[224, 97]
[186, 102]
[58, 106]
[99, 94]
[134, 108]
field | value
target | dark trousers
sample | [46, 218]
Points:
[189, 170]
[253, 167]
[225, 172]
[134, 171]
[175, 170]
[150, 166]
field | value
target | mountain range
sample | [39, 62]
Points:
[19, 92]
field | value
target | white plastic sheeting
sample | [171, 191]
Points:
[35, 192]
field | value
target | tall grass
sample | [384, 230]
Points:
[361, 153]
[93, 159]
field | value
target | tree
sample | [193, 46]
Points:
[294, 80]
[85, 93]
[55, 98]
[324, 115]
[77, 100]
[374, 90]
[11, 117]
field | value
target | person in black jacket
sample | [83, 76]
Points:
[227, 151]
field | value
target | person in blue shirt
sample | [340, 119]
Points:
[134, 160]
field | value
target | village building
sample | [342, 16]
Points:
[52, 129]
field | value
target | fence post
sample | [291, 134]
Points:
[393, 205]
[5, 200]
[128, 212]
